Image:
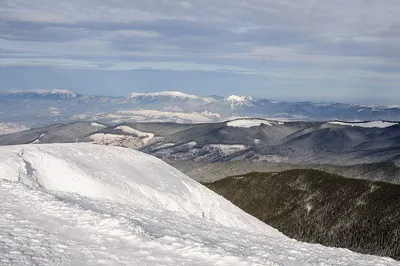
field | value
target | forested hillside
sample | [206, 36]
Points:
[315, 206]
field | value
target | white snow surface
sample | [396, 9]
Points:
[371, 124]
[123, 175]
[84, 204]
[163, 116]
[247, 123]
[145, 136]
[95, 124]
[236, 100]
[170, 94]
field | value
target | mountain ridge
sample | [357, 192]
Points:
[43, 107]
[251, 141]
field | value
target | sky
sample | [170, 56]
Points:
[320, 50]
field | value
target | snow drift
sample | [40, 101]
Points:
[121, 175]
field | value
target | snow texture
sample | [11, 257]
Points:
[247, 123]
[371, 124]
[84, 204]
[122, 175]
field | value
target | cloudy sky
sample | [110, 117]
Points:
[321, 50]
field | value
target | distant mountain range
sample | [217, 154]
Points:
[45, 107]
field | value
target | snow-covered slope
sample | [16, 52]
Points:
[247, 123]
[145, 136]
[165, 116]
[84, 204]
[122, 175]
[131, 138]
[370, 124]
[236, 101]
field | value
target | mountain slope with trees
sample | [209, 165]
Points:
[315, 206]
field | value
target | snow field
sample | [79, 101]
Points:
[247, 123]
[145, 136]
[123, 175]
[371, 124]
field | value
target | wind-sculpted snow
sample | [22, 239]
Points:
[83, 204]
[122, 175]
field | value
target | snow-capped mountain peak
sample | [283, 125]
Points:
[236, 100]
[63, 93]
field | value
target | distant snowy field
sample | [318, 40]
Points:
[159, 116]
[86, 204]
[247, 123]
[371, 124]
